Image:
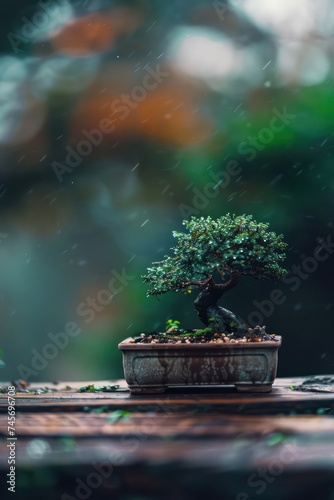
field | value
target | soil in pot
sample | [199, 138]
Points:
[175, 335]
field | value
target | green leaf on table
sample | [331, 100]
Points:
[96, 388]
[117, 415]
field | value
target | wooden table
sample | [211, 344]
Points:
[186, 444]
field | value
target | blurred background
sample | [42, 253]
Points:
[119, 119]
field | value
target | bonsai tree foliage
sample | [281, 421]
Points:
[211, 256]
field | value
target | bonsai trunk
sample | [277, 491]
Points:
[211, 314]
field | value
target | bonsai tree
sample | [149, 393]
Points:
[211, 256]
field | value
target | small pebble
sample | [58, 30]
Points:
[226, 340]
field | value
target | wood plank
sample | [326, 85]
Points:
[171, 425]
[282, 399]
[212, 469]
[210, 441]
[309, 403]
[243, 453]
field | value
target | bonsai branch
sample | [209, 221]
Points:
[199, 283]
[210, 283]
[211, 314]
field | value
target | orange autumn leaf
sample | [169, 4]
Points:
[168, 117]
[86, 35]
[101, 114]
[160, 117]
[94, 33]
[167, 114]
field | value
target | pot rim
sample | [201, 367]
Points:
[127, 345]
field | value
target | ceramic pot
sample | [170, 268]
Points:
[151, 368]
